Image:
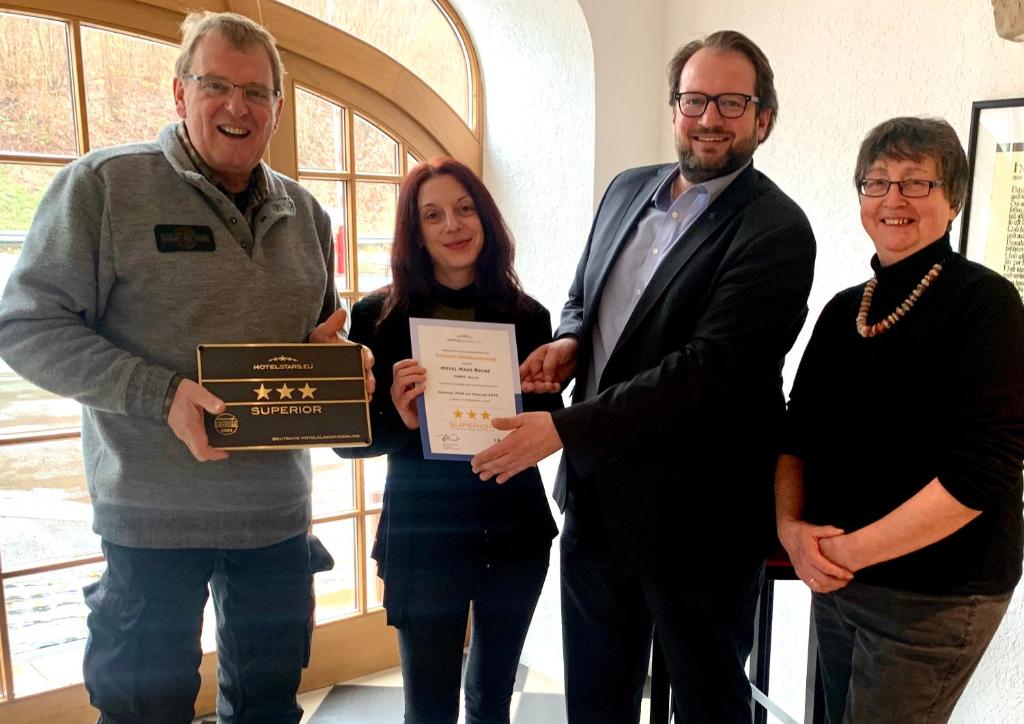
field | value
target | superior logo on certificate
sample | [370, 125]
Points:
[472, 377]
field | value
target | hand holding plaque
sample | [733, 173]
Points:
[472, 373]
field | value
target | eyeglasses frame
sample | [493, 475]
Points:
[747, 100]
[274, 93]
[937, 183]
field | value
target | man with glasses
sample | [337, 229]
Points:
[137, 254]
[691, 289]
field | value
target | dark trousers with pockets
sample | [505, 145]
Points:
[705, 627]
[146, 614]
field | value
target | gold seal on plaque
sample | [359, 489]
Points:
[226, 424]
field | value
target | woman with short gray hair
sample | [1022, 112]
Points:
[899, 496]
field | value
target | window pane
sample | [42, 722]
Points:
[416, 33]
[25, 408]
[375, 471]
[410, 161]
[331, 195]
[374, 586]
[45, 512]
[127, 86]
[320, 133]
[376, 151]
[332, 483]
[336, 589]
[376, 205]
[46, 622]
[21, 188]
[36, 113]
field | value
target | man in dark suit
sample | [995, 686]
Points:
[691, 290]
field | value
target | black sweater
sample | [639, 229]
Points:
[440, 523]
[939, 395]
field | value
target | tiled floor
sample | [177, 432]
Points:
[377, 699]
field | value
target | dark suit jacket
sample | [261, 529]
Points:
[677, 450]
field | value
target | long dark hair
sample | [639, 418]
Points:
[411, 267]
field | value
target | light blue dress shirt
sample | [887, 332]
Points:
[659, 229]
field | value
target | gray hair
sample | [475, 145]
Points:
[241, 32]
[910, 139]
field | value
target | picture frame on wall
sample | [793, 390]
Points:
[992, 227]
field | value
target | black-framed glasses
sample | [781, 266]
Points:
[730, 105]
[911, 188]
[216, 87]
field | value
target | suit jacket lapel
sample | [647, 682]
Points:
[735, 197]
[628, 219]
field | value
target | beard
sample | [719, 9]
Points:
[696, 170]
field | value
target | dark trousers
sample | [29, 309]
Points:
[900, 656]
[431, 647]
[705, 627]
[146, 615]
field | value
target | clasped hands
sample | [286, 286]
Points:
[185, 416]
[821, 554]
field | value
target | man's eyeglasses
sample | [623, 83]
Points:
[730, 105]
[216, 87]
[911, 188]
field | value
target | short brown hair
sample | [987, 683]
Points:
[725, 41]
[238, 30]
[910, 139]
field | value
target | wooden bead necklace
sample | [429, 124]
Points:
[870, 330]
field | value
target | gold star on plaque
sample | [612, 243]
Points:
[472, 415]
[486, 415]
[307, 391]
[458, 413]
[262, 392]
[285, 391]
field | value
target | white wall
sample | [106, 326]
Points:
[538, 72]
[840, 69]
[627, 55]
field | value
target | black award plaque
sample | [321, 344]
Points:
[281, 396]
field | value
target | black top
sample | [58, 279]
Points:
[440, 522]
[939, 395]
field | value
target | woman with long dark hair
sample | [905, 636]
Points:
[446, 539]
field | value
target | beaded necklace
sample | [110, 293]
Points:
[870, 330]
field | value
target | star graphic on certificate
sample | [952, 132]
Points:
[262, 392]
[472, 415]
[486, 415]
[307, 391]
[285, 391]
[458, 413]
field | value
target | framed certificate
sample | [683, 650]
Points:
[472, 377]
[992, 229]
[281, 396]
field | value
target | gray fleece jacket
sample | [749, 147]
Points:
[96, 312]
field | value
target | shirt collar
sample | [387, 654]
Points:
[662, 197]
[258, 188]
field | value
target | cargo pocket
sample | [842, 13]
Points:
[320, 559]
[112, 658]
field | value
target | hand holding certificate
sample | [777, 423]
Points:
[472, 377]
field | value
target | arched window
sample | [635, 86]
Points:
[354, 120]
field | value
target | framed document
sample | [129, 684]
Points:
[472, 377]
[282, 396]
[992, 229]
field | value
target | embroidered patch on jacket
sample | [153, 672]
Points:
[179, 237]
